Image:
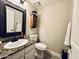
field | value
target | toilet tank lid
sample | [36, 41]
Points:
[33, 35]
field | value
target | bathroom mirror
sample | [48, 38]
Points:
[12, 19]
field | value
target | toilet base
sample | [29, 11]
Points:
[39, 54]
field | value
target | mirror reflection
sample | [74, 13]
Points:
[14, 20]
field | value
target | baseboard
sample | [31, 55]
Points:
[54, 53]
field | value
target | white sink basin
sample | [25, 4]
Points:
[16, 44]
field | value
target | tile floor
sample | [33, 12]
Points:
[48, 56]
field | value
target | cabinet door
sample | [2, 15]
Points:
[30, 55]
[17, 55]
[21, 57]
[29, 48]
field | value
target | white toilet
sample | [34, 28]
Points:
[40, 47]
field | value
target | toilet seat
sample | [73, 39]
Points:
[40, 46]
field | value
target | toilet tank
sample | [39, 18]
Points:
[33, 37]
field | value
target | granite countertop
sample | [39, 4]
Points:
[6, 52]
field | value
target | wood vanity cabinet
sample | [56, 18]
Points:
[26, 53]
[21, 57]
[17, 55]
[30, 55]
[30, 52]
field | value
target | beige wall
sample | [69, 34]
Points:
[53, 24]
[30, 8]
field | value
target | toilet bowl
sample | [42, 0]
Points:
[40, 46]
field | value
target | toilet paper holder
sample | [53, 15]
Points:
[68, 47]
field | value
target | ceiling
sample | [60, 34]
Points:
[43, 3]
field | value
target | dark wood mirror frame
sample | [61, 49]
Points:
[3, 32]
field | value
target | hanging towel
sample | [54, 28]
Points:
[67, 37]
